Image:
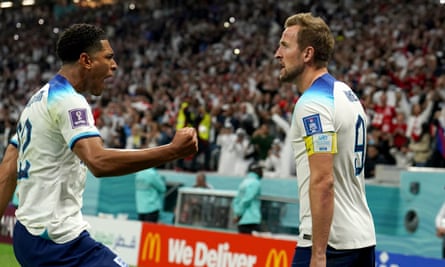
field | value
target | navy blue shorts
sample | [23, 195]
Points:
[83, 251]
[363, 257]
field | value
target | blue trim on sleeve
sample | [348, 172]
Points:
[82, 136]
[14, 142]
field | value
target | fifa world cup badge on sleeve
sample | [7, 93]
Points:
[312, 124]
[78, 117]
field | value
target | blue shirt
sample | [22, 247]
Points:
[150, 189]
[247, 203]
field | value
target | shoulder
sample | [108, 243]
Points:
[319, 96]
[60, 89]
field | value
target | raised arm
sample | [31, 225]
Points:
[103, 162]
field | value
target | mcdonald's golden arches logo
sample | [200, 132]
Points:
[151, 249]
[276, 259]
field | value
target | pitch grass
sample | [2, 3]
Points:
[7, 258]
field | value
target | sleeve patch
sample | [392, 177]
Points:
[312, 124]
[78, 117]
[321, 143]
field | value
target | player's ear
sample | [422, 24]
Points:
[308, 54]
[85, 60]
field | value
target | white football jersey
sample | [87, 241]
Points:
[51, 178]
[329, 118]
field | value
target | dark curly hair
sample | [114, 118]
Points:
[79, 38]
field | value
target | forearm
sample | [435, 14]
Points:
[7, 188]
[8, 177]
[113, 162]
[322, 208]
[105, 162]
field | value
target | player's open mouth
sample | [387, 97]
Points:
[109, 80]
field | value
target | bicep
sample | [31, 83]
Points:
[89, 149]
[321, 165]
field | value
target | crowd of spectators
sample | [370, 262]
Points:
[210, 64]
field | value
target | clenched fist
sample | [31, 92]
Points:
[185, 142]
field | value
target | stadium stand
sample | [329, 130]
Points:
[217, 57]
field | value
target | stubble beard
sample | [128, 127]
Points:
[292, 75]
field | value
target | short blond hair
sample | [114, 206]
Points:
[316, 33]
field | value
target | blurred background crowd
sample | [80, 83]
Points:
[210, 64]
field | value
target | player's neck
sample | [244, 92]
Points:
[72, 75]
[309, 78]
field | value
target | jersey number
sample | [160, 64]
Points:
[24, 137]
[359, 148]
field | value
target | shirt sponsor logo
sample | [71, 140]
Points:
[78, 117]
[312, 124]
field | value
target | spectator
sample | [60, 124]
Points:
[105, 131]
[247, 204]
[248, 118]
[421, 146]
[420, 112]
[150, 188]
[383, 114]
[399, 129]
[136, 139]
[287, 167]
[261, 141]
[201, 181]
[225, 141]
[373, 158]
[154, 136]
[403, 156]
[241, 152]
[272, 163]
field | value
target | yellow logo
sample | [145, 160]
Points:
[152, 247]
[276, 259]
